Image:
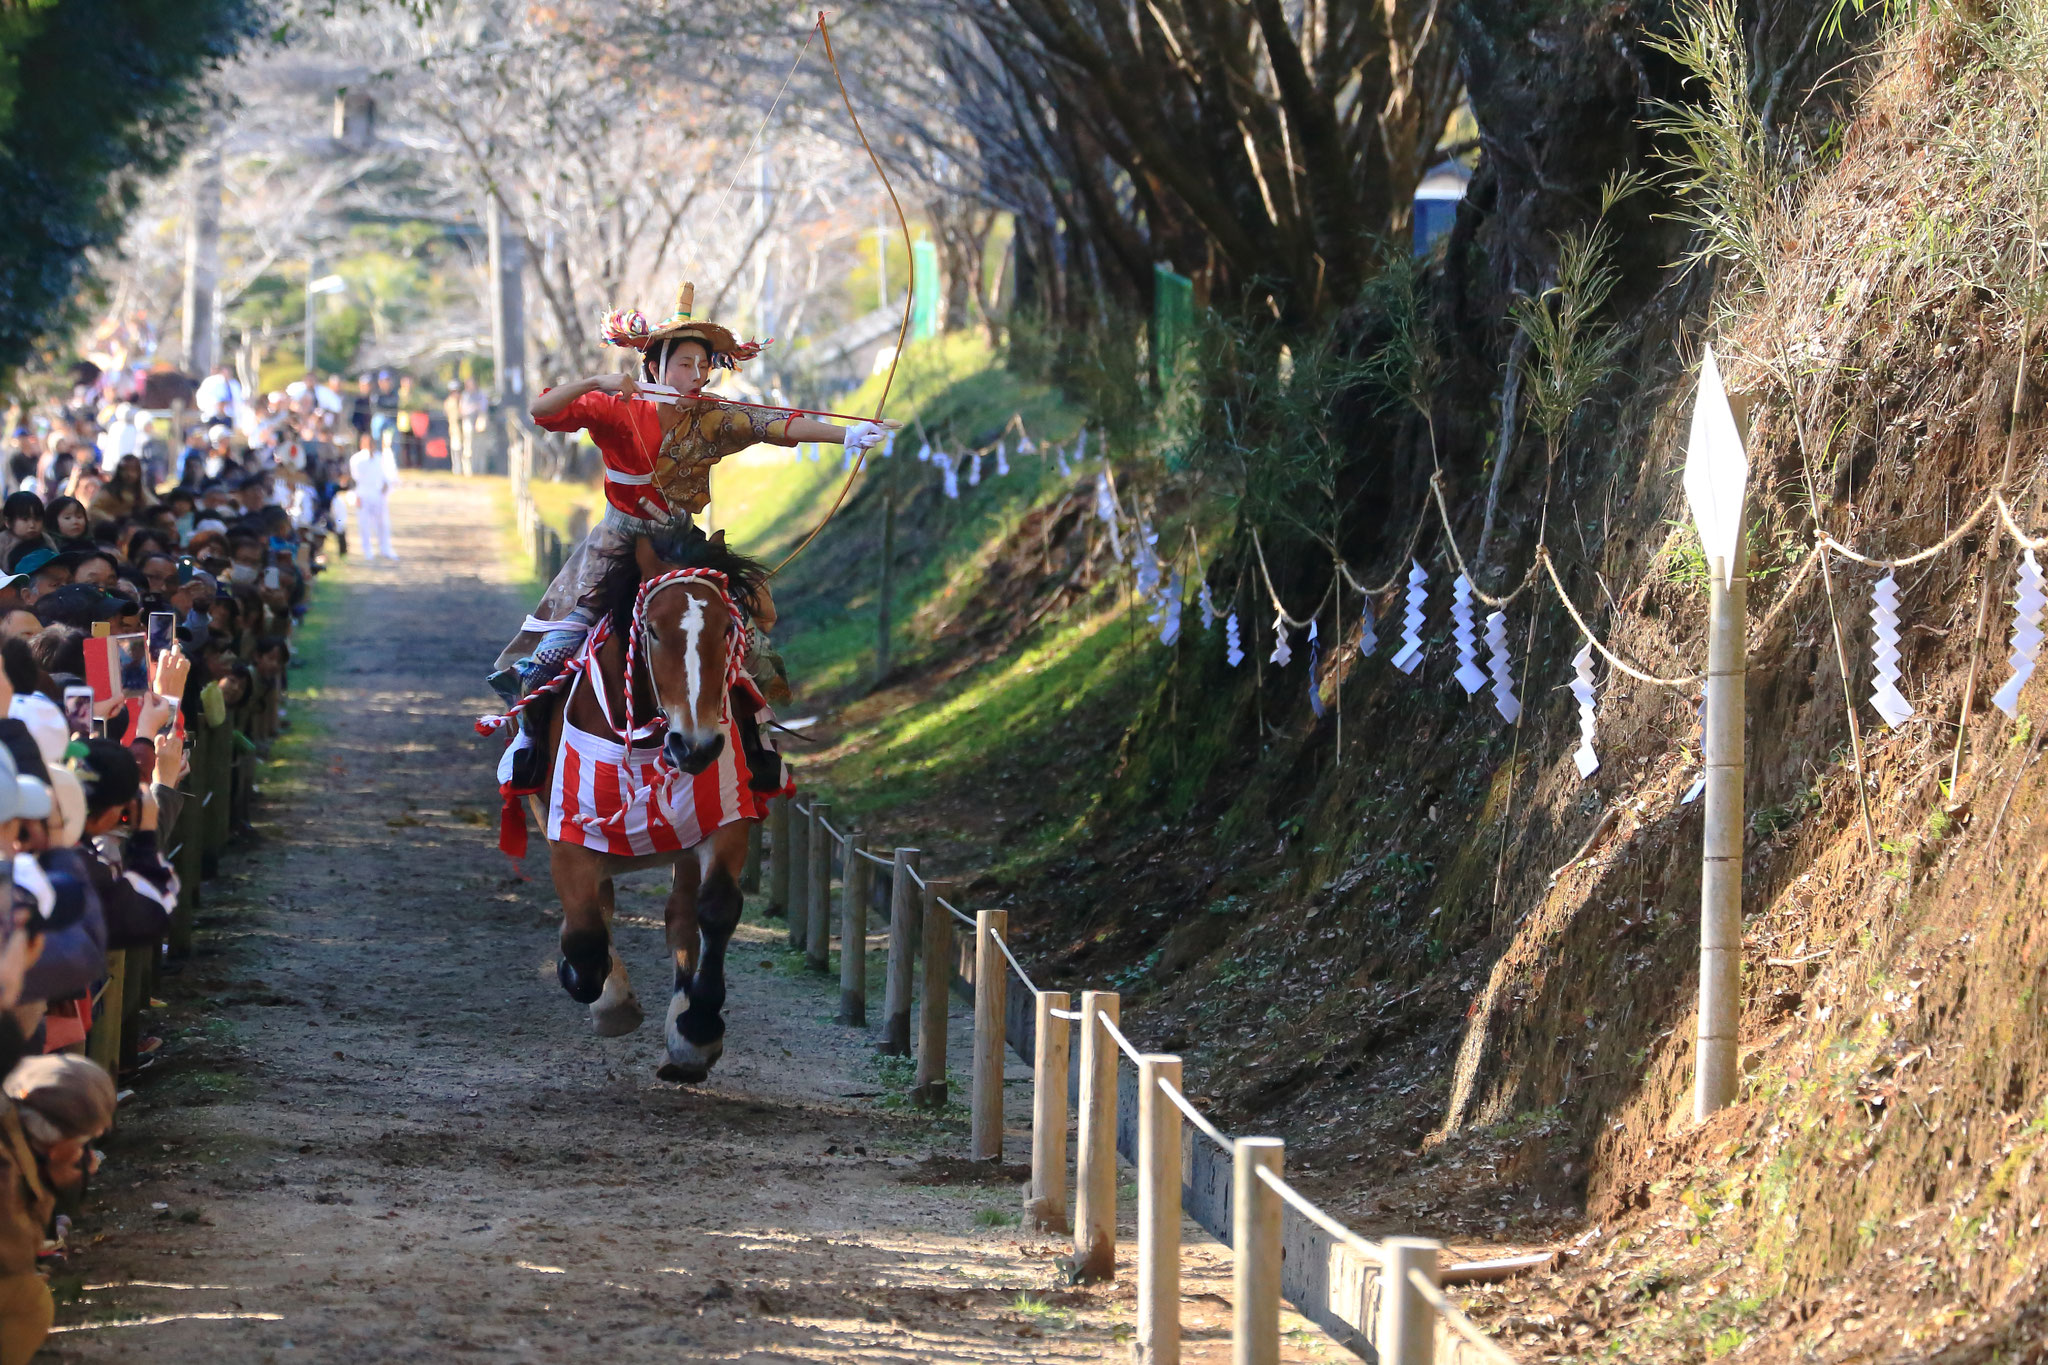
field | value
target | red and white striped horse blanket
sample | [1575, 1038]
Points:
[613, 800]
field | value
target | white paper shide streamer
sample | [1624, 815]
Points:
[1582, 692]
[2026, 635]
[1208, 605]
[1470, 676]
[1410, 654]
[1504, 699]
[973, 471]
[951, 477]
[1002, 461]
[1884, 619]
[1166, 615]
[1233, 649]
[1283, 653]
[1106, 512]
[1368, 634]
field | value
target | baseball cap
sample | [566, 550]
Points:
[44, 722]
[32, 561]
[108, 772]
[79, 604]
[217, 433]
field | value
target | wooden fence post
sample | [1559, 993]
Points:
[1158, 1213]
[859, 890]
[1046, 1203]
[818, 932]
[750, 871]
[103, 1043]
[778, 855]
[903, 941]
[1407, 1325]
[1095, 1161]
[991, 1011]
[938, 981]
[1255, 1240]
[799, 875]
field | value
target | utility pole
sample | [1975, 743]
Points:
[508, 332]
[1716, 470]
[200, 320]
[312, 325]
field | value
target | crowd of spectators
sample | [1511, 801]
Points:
[151, 576]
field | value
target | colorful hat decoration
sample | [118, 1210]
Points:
[631, 329]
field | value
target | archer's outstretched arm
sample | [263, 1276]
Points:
[561, 396]
[860, 435]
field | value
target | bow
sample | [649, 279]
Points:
[909, 294]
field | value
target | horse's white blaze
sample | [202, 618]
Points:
[693, 666]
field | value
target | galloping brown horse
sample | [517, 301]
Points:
[649, 770]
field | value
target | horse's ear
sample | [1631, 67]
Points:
[644, 556]
[718, 538]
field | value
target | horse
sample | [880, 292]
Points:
[678, 790]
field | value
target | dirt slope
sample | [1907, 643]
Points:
[380, 1132]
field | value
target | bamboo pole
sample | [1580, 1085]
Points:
[1255, 1243]
[1158, 1213]
[1095, 1162]
[1407, 1325]
[882, 589]
[799, 875]
[859, 890]
[903, 940]
[991, 1001]
[1720, 1007]
[778, 855]
[930, 1089]
[1046, 1203]
[818, 931]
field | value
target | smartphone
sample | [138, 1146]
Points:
[271, 582]
[132, 653]
[163, 633]
[78, 710]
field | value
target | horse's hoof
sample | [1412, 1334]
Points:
[616, 1018]
[584, 990]
[689, 1062]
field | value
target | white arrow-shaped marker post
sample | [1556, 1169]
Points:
[1716, 470]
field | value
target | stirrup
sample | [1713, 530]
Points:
[529, 759]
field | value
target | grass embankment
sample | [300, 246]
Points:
[924, 749]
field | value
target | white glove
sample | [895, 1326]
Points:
[864, 436]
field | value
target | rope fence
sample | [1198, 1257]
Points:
[1380, 1299]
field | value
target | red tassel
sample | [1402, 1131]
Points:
[511, 824]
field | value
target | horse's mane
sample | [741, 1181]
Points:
[620, 582]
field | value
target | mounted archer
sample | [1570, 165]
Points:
[659, 434]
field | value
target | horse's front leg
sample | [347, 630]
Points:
[617, 1011]
[586, 935]
[703, 912]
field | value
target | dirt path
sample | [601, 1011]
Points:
[379, 1131]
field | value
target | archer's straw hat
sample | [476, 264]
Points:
[631, 329]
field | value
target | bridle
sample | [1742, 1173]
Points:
[636, 637]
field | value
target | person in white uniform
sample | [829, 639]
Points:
[374, 473]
